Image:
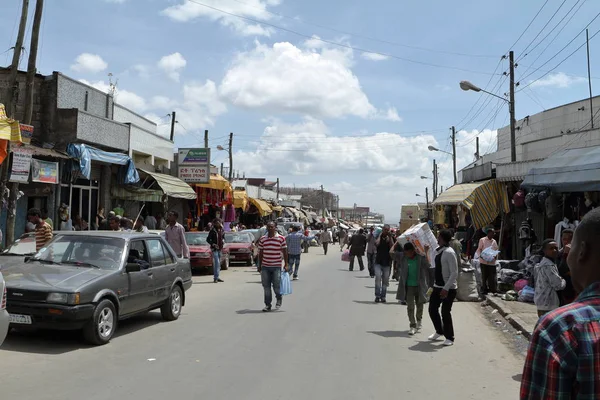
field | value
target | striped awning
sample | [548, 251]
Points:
[216, 182]
[172, 186]
[240, 199]
[485, 200]
[262, 206]
[132, 193]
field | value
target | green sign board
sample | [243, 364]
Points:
[194, 157]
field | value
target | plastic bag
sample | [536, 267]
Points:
[489, 254]
[346, 255]
[526, 295]
[520, 284]
[286, 284]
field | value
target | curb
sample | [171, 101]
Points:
[507, 313]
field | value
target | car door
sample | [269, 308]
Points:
[141, 283]
[161, 269]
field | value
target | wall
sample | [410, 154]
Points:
[74, 125]
[124, 115]
[38, 111]
[148, 142]
[72, 94]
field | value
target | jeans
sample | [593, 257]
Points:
[371, 263]
[382, 280]
[294, 262]
[412, 300]
[489, 278]
[325, 245]
[443, 325]
[360, 262]
[216, 264]
[271, 276]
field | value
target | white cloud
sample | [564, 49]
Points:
[374, 56]
[287, 79]
[172, 65]
[115, 1]
[87, 62]
[253, 9]
[558, 80]
[124, 97]
[142, 70]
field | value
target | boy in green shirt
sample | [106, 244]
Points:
[413, 284]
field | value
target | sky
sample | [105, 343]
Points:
[340, 93]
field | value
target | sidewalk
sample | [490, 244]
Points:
[522, 316]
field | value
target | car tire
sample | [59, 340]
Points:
[102, 326]
[225, 265]
[171, 310]
[249, 263]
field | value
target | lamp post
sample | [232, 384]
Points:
[453, 154]
[221, 148]
[466, 85]
[426, 200]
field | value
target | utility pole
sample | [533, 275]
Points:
[221, 169]
[230, 156]
[587, 39]
[206, 139]
[511, 106]
[427, 202]
[477, 148]
[173, 125]
[277, 189]
[454, 153]
[435, 178]
[323, 201]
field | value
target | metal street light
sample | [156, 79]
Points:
[431, 148]
[466, 86]
[219, 147]
[425, 177]
[229, 151]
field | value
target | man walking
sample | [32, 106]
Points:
[325, 239]
[175, 235]
[444, 289]
[489, 278]
[371, 251]
[139, 226]
[272, 251]
[43, 231]
[413, 283]
[215, 240]
[357, 245]
[562, 360]
[342, 236]
[383, 264]
[295, 242]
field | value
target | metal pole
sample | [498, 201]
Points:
[454, 153]
[427, 202]
[477, 148]
[587, 39]
[511, 106]
[230, 156]
[172, 125]
[206, 139]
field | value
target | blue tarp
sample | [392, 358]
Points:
[85, 154]
[573, 170]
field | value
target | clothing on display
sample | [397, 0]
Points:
[461, 213]
[561, 226]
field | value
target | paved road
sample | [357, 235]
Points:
[329, 341]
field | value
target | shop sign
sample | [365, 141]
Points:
[44, 171]
[26, 133]
[194, 157]
[194, 174]
[21, 164]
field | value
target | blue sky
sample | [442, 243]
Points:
[307, 110]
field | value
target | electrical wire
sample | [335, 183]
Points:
[346, 46]
[529, 25]
[541, 30]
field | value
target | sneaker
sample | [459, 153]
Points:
[434, 336]
[266, 309]
[403, 302]
[419, 325]
[383, 300]
[377, 300]
[278, 304]
[372, 276]
[448, 342]
[220, 280]
[412, 331]
[295, 277]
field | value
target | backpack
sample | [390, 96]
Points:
[525, 231]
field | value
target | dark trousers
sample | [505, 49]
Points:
[443, 325]
[325, 245]
[489, 279]
[360, 262]
[371, 263]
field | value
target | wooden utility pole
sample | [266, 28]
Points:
[427, 202]
[587, 40]
[477, 148]
[511, 106]
[323, 201]
[221, 169]
[173, 115]
[434, 180]
[454, 153]
[230, 156]
[277, 189]
[206, 139]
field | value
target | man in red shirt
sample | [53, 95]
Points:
[273, 250]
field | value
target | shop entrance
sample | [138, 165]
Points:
[82, 197]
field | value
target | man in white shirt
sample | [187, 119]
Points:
[326, 239]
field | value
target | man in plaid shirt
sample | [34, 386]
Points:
[563, 361]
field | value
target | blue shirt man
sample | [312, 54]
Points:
[294, 244]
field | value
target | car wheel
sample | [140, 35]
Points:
[102, 327]
[249, 263]
[225, 265]
[171, 310]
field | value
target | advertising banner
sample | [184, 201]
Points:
[194, 165]
[21, 164]
[194, 174]
[44, 171]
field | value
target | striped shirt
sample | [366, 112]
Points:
[43, 235]
[272, 250]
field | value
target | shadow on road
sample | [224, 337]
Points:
[371, 302]
[364, 276]
[60, 342]
[426, 347]
[391, 334]
[254, 282]
[248, 311]
[204, 283]
[518, 377]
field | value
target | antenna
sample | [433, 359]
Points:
[112, 85]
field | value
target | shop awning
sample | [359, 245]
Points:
[85, 154]
[262, 206]
[277, 208]
[573, 170]
[485, 200]
[172, 186]
[240, 199]
[132, 193]
[216, 182]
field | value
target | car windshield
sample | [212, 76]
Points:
[85, 251]
[22, 247]
[238, 238]
[196, 238]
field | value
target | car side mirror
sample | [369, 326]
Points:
[132, 267]
[27, 259]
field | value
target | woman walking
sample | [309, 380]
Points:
[413, 277]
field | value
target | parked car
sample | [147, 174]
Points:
[91, 280]
[4, 317]
[241, 248]
[201, 256]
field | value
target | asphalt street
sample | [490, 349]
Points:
[329, 341]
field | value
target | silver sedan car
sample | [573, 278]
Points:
[4, 319]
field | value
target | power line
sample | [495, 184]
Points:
[541, 30]
[529, 25]
[346, 46]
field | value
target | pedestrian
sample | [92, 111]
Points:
[46, 218]
[489, 276]
[562, 360]
[444, 289]
[139, 226]
[215, 240]
[100, 218]
[272, 251]
[456, 245]
[161, 224]
[383, 263]
[114, 223]
[413, 284]
[343, 239]
[325, 239]
[295, 242]
[371, 251]
[357, 246]
[547, 280]
[150, 222]
[306, 244]
[568, 294]
[175, 235]
[43, 231]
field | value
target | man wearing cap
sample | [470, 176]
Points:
[489, 278]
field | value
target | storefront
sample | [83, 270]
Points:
[214, 200]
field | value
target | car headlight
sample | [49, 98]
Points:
[63, 298]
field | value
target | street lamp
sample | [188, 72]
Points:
[425, 177]
[453, 154]
[228, 150]
[426, 200]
